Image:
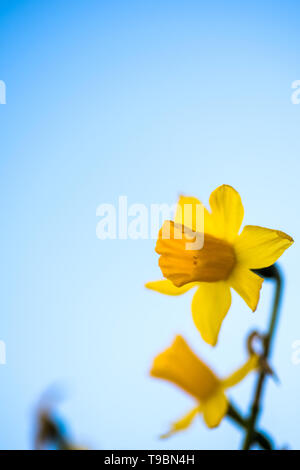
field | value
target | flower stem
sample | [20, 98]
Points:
[259, 437]
[268, 273]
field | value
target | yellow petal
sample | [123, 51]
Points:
[259, 247]
[242, 372]
[190, 213]
[210, 304]
[180, 366]
[182, 423]
[193, 214]
[227, 212]
[247, 284]
[215, 409]
[168, 288]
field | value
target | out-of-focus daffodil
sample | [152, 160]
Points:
[179, 365]
[226, 259]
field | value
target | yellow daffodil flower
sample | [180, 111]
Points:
[226, 259]
[179, 365]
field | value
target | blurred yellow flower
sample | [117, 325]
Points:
[179, 365]
[225, 260]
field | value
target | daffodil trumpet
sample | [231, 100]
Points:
[226, 259]
[179, 365]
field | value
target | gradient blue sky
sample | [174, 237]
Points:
[148, 100]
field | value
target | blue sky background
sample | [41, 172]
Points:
[148, 100]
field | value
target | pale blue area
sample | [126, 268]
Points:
[149, 100]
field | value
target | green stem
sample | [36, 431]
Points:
[259, 437]
[269, 273]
